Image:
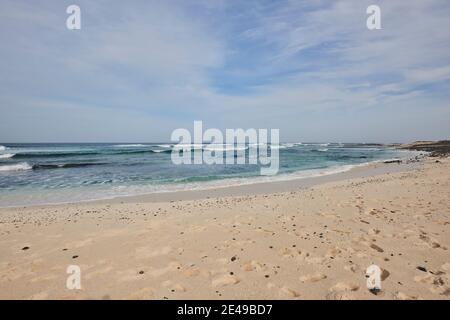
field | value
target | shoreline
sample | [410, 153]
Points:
[253, 185]
[269, 187]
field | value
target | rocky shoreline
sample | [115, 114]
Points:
[436, 148]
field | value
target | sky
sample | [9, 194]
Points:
[137, 70]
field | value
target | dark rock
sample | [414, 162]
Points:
[375, 291]
[422, 269]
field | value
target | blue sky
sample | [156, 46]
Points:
[138, 70]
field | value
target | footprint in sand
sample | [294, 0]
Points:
[253, 266]
[224, 280]
[314, 277]
[342, 291]
[288, 293]
[353, 268]
[191, 272]
[333, 252]
[436, 282]
[446, 266]
[314, 260]
[432, 243]
[289, 253]
[403, 296]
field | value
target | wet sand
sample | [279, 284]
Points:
[309, 239]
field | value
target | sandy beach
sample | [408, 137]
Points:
[309, 239]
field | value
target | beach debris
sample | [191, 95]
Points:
[374, 277]
[423, 269]
[74, 257]
[375, 247]
[393, 161]
[384, 274]
[25, 248]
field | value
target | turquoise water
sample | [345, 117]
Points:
[56, 173]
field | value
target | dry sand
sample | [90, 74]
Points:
[312, 242]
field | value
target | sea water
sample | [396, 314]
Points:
[57, 173]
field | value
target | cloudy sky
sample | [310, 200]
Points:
[137, 70]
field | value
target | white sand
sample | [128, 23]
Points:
[307, 243]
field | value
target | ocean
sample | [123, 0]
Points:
[32, 174]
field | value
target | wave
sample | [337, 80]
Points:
[164, 145]
[6, 155]
[225, 148]
[161, 151]
[256, 145]
[2, 148]
[278, 147]
[65, 165]
[317, 144]
[322, 150]
[16, 167]
[130, 145]
[51, 154]
[188, 147]
[27, 155]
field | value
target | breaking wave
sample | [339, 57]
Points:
[7, 155]
[16, 167]
[130, 145]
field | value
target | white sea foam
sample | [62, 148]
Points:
[187, 147]
[16, 167]
[158, 151]
[2, 148]
[129, 145]
[277, 147]
[289, 145]
[7, 155]
[164, 145]
[256, 145]
[224, 148]
[323, 150]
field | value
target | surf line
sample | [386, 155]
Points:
[208, 147]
